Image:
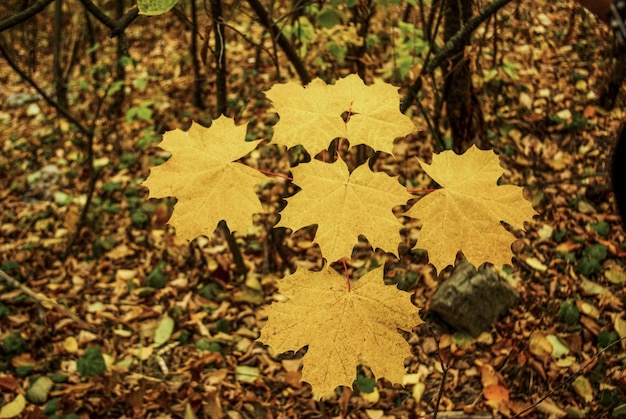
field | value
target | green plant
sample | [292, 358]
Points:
[14, 344]
[156, 278]
[92, 363]
[591, 261]
[568, 312]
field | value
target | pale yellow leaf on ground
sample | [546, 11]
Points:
[14, 408]
[465, 213]
[344, 205]
[312, 115]
[204, 178]
[343, 329]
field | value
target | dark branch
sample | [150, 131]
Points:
[116, 26]
[51, 102]
[24, 15]
[122, 23]
[98, 13]
[450, 49]
[282, 41]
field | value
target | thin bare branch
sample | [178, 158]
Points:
[44, 301]
[24, 15]
[116, 26]
[63, 111]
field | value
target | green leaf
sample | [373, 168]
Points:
[206, 345]
[364, 384]
[156, 279]
[51, 407]
[328, 18]
[491, 74]
[605, 338]
[568, 312]
[94, 48]
[601, 227]
[115, 87]
[14, 343]
[24, 370]
[582, 387]
[620, 411]
[246, 374]
[144, 113]
[92, 363]
[588, 266]
[510, 69]
[598, 252]
[163, 331]
[462, 338]
[39, 390]
[14, 408]
[155, 7]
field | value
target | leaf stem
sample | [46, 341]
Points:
[345, 270]
[424, 191]
[280, 175]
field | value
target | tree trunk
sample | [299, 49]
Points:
[462, 105]
[198, 79]
[220, 56]
[60, 85]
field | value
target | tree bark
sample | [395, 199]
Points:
[283, 42]
[362, 13]
[198, 79]
[463, 107]
[60, 85]
[220, 56]
[24, 15]
[461, 37]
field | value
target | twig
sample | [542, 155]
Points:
[569, 380]
[24, 15]
[282, 41]
[250, 41]
[44, 301]
[444, 372]
[63, 111]
[117, 26]
[240, 266]
[93, 177]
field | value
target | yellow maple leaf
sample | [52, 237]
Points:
[204, 178]
[344, 205]
[312, 115]
[343, 329]
[465, 213]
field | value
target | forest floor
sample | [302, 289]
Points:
[541, 97]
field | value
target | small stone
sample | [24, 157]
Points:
[471, 300]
